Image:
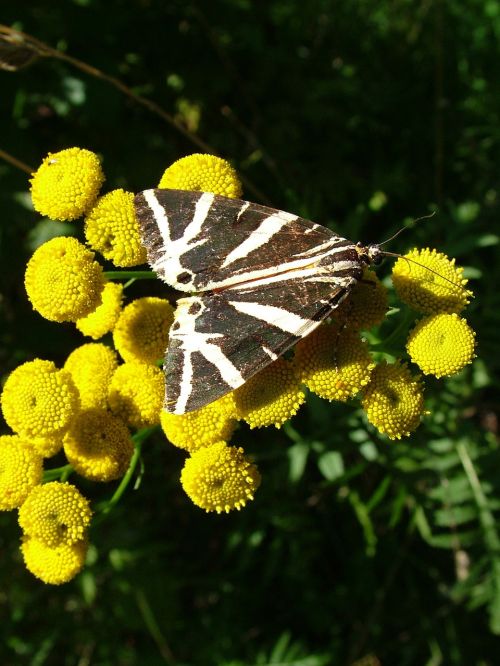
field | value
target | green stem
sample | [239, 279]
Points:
[397, 334]
[154, 627]
[126, 479]
[65, 475]
[490, 534]
[363, 516]
[130, 275]
[291, 433]
[138, 438]
[486, 516]
[61, 473]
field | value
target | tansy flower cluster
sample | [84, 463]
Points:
[95, 411]
[441, 343]
[54, 518]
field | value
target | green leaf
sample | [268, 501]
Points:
[487, 240]
[88, 585]
[442, 463]
[420, 521]
[379, 494]
[452, 541]
[75, 90]
[457, 487]
[297, 458]
[467, 211]
[455, 515]
[397, 507]
[480, 375]
[331, 465]
[369, 451]
[46, 230]
[362, 514]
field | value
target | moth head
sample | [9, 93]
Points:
[370, 254]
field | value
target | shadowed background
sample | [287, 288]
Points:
[359, 116]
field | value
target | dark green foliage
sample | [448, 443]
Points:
[361, 115]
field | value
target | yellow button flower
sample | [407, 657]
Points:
[393, 400]
[98, 445]
[212, 423]
[63, 281]
[67, 183]
[366, 306]
[203, 173]
[141, 332]
[270, 397]
[220, 478]
[91, 366]
[54, 565]
[112, 229]
[333, 364]
[136, 394]
[38, 400]
[48, 446]
[441, 345]
[103, 319]
[21, 470]
[55, 513]
[440, 289]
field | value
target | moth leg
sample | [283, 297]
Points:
[341, 324]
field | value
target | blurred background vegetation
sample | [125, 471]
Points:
[360, 115]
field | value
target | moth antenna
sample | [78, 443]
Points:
[400, 256]
[418, 219]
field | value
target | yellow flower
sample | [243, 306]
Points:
[103, 319]
[393, 400]
[63, 281]
[441, 345]
[55, 513]
[20, 470]
[270, 397]
[48, 446]
[366, 305]
[219, 478]
[141, 332]
[55, 565]
[67, 183]
[136, 394]
[112, 229]
[212, 423]
[204, 173]
[98, 445]
[38, 400]
[92, 365]
[426, 291]
[333, 364]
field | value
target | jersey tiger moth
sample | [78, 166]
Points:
[260, 279]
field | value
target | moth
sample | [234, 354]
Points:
[259, 280]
